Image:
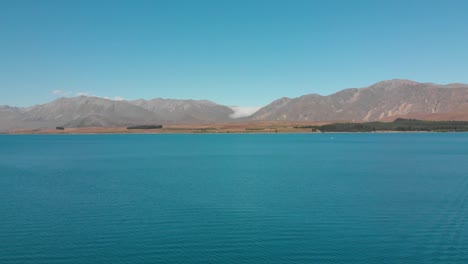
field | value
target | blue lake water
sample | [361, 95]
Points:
[307, 198]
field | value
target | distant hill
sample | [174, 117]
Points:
[383, 101]
[99, 112]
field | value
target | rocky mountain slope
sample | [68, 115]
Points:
[99, 112]
[185, 111]
[385, 100]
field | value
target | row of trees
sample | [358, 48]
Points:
[397, 125]
[146, 127]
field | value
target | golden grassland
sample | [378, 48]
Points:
[256, 127]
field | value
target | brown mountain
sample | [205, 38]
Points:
[86, 111]
[186, 111]
[384, 100]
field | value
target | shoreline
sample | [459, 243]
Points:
[213, 128]
[274, 127]
[234, 133]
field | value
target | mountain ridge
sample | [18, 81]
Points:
[384, 100]
[381, 100]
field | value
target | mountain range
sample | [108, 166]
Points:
[385, 101]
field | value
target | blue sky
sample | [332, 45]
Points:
[234, 52]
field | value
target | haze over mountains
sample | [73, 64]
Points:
[385, 100]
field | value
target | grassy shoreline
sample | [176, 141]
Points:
[397, 126]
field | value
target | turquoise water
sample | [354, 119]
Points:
[315, 198]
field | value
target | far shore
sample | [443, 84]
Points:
[397, 126]
[223, 128]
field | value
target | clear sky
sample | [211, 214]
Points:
[236, 52]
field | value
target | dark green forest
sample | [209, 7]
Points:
[399, 124]
[146, 127]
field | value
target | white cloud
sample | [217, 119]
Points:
[61, 92]
[243, 111]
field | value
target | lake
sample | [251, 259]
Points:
[234, 198]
